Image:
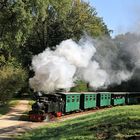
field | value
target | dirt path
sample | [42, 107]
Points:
[10, 125]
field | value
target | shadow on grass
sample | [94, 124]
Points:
[9, 132]
[4, 109]
[108, 125]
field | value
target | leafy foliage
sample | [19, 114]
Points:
[80, 86]
[6, 108]
[27, 27]
[11, 80]
[64, 20]
[16, 22]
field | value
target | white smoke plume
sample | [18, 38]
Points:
[99, 63]
[94, 75]
[58, 69]
[115, 60]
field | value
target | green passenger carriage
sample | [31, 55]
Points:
[118, 98]
[72, 101]
[104, 99]
[88, 100]
[133, 98]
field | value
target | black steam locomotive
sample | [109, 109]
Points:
[46, 104]
[66, 102]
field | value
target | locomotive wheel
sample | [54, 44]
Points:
[36, 117]
[58, 114]
[32, 117]
[39, 118]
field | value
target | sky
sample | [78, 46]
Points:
[119, 15]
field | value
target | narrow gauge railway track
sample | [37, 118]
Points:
[76, 114]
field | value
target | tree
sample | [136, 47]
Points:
[83, 17]
[16, 22]
[27, 27]
[11, 80]
[63, 20]
[80, 86]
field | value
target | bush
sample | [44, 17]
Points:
[11, 81]
[80, 86]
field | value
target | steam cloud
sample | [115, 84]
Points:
[101, 64]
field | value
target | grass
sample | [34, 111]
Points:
[6, 108]
[118, 123]
[31, 102]
[24, 116]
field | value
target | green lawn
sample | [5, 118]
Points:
[6, 108]
[118, 123]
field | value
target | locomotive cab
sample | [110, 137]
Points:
[46, 104]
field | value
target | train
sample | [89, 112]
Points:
[62, 103]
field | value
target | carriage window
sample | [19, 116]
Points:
[73, 100]
[90, 97]
[72, 97]
[68, 100]
[77, 98]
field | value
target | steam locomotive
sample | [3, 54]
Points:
[66, 102]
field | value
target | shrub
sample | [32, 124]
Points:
[12, 79]
[80, 86]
